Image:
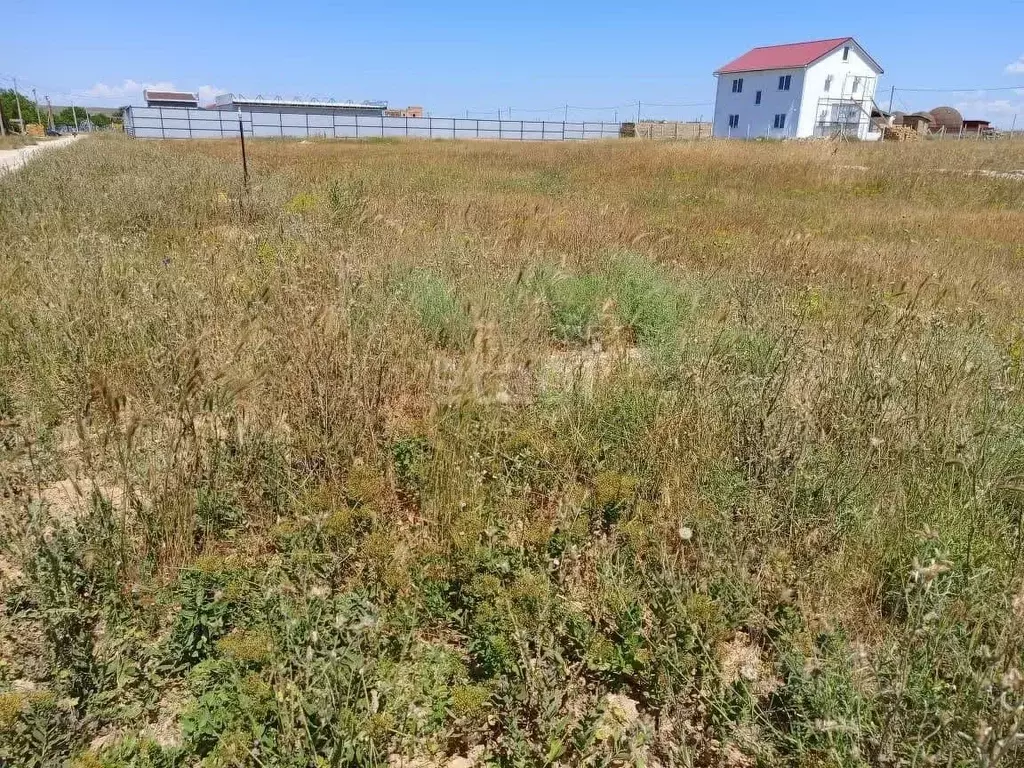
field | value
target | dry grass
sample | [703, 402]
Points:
[515, 431]
[16, 142]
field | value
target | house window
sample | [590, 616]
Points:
[734, 121]
[780, 121]
[784, 82]
[846, 53]
[828, 83]
[757, 97]
[737, 85]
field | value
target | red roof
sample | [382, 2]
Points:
[789, 56]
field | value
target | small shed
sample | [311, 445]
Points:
[918, 121]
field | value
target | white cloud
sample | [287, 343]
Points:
[127, 90]
[1000, 111]
[130, 91]
[207, 93]
[1016, 67]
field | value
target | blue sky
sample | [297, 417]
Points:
[484, 56]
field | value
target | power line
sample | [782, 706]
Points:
[962, 90]
[690, 104]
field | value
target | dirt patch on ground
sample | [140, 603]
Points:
[585, 368]
[69, 498]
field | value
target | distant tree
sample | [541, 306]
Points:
[67, 116]
[100, 121]
[29, 110]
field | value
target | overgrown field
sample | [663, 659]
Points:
[449, 454]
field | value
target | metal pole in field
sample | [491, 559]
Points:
[638, 113]
[88, 121]
[3, 131]
[566, 118]
[1013, 125]
[245, 163]
[49, 111]
[74, 116]
[35, 100]
[17, 100]
[892, 93]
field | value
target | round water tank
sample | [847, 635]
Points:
[946, 117]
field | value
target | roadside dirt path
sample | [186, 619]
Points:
[12, 159]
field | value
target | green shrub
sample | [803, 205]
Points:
[647, 302]
[574, 304]
[434, 304]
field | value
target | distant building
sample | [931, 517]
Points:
[407, 112]
[170, 98]
[817, 88]
[233, 102]
[982, 127]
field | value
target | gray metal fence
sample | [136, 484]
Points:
[184, 123]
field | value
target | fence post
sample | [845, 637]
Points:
[478, 127]
[162, 134]
[520, 130]
[430, 127]
[407, 126]
[563, 129]
[280, 123]
[543, 125]
[307, 125]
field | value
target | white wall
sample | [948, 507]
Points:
[843, 74]
[758, 119]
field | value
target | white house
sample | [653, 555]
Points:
[817, 88]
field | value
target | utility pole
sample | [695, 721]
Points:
[3, 132]
[74, 117]
[638, 113]
[35, 100]
[892, 93]
[49, 111]
[566, 119]
[17, 100]
[88, 119]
